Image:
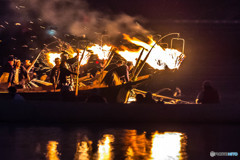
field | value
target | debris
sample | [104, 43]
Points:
[25, 46]
[6, 22]
[39, 19]
[22, 7]
[31, 22]
[42, 27]
[35, 37]
[13, 39]
[30, 29]
[2, 26]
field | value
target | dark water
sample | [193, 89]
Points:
[120, 142]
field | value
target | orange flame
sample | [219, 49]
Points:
[102, 53]
[159, 57]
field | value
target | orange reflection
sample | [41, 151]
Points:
[83, 149]
[168, 145]
[52, 153]
[137, 145]
[105, 148]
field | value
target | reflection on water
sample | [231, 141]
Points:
[158, 146]
[105, 148]
[83, 149]
[168, 145]
[52, 152]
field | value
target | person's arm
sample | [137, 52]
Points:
[74, 59]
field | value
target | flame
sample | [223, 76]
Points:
[167, 145]
[158, 58]
[102, 52]
[105, 148]
[52, 153]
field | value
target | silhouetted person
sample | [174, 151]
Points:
[20, 77]
[55, 73]
[9, 69]
[13, 94]
[66, 70]
[208, 95]
[121, 72]
[139, 99]
[148, 98]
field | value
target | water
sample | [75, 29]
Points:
[120, 142]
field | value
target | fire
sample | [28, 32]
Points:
[102, 52]
[159, 57]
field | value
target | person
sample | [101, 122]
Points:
[208, 95]
[113, 76]
[114, 65]
[148, 98]
[66, 71]
[139, 99]
[7, 71]
[55, 72]
[20, 76]
[13, 94]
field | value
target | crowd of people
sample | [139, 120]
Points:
[18, 74]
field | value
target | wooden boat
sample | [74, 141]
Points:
[114, 94]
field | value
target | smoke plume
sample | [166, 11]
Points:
[76, 17]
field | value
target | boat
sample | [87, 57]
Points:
[113, 94]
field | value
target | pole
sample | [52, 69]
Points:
[136, 65]
[78, 67]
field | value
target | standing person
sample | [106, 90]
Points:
[55, 73]
[20, 76]
[7, 72]
[66, 70]
[113, 77]
[208, 95]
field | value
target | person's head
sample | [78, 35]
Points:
[57, 61]
[18, 63]
[11, 60]
[207, 84]
[139, 98]
[130, 65]
[12, 91]
[119, 63]
[27, 63]
[64, 56]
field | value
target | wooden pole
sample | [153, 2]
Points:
[78, 67]
[139, 69]
[136, 65]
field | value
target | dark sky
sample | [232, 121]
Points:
[173, 9]
[163, 9]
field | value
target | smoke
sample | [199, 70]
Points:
[76, 17]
